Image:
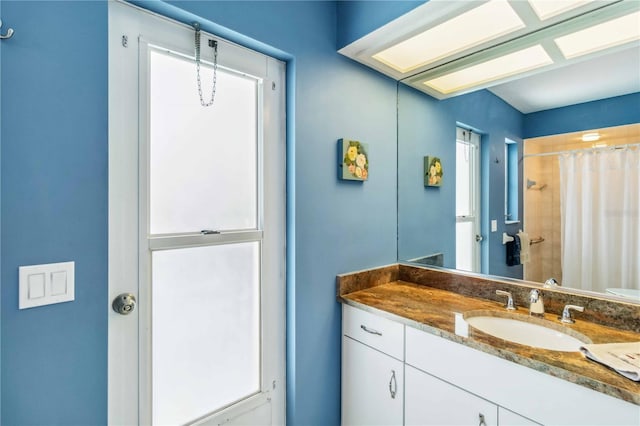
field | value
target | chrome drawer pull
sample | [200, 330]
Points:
[393, 385]
[481, 418]
[370, 330]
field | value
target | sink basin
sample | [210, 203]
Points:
[534, 332]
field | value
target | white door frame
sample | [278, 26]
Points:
[129, 335]
[473, 139]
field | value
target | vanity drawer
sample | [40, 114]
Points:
[380, 333]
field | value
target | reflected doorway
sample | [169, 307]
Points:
[468, 236]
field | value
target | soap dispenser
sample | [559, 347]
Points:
[536, 304]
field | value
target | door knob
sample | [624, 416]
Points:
[124, 303]
[479, 238]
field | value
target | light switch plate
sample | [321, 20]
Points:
[494, 225]
[46, 284]
[36, 283]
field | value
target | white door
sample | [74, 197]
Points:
[196, 227]
[468, 236]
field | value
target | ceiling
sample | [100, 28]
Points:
[605, 71]
[606, 76]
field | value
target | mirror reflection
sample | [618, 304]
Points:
[581, 204]
[522, 194]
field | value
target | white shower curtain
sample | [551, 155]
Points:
[600, 207]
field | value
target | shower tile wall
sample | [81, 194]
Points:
[542, 218]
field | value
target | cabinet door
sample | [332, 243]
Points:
[431, 401]
[372, 386]
[509, 418]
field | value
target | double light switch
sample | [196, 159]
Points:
[46, 284]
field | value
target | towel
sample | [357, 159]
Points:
[525, 243]
[622, 357]
[513, 251]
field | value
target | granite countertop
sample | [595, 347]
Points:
[433, 310]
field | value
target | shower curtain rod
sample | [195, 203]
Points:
[573, 151]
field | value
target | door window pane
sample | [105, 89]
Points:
[464, 246]
[203, 161]
[206, 329]
[463, 179]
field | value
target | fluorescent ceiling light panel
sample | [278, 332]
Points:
[608, 34]
[590, 137]
[546, 9]
[481, 24]
[494, 69]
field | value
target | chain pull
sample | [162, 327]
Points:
[213, 44]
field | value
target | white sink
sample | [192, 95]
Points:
[528, 331]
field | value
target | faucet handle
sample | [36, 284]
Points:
[566, 313]
[509, 305]
[551, 283]
[534, 295]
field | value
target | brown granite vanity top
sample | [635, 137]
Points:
[433, 310]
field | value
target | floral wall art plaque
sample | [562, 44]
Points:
[432, 171]
[354, 160]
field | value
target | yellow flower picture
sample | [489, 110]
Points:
[432, 171]
[354, 160]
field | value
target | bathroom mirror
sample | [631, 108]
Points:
[427, 215]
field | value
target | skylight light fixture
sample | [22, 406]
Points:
[494, 69]
[608, 34]
[472, 28]
[590, 137]
[546, 9]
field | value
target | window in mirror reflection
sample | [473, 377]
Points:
[511, 188]
[467, 200]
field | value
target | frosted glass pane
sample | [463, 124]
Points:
[463, 179]
[205, 329]
[464, 246]
[203, 161]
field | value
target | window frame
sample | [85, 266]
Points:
[511, 182]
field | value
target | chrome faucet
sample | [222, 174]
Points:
[536, 304]
[509, 305]
[566, 313]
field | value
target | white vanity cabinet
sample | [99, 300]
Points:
[388, 368]
[533, 395]
[372, 369]
[509, 418]
[431, 401]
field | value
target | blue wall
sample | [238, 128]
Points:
[496, 120]
[610, 112]
[54, 197]
[426, 222]
[54, 208]
[358, 18]
[1, 220]
[427, 126]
